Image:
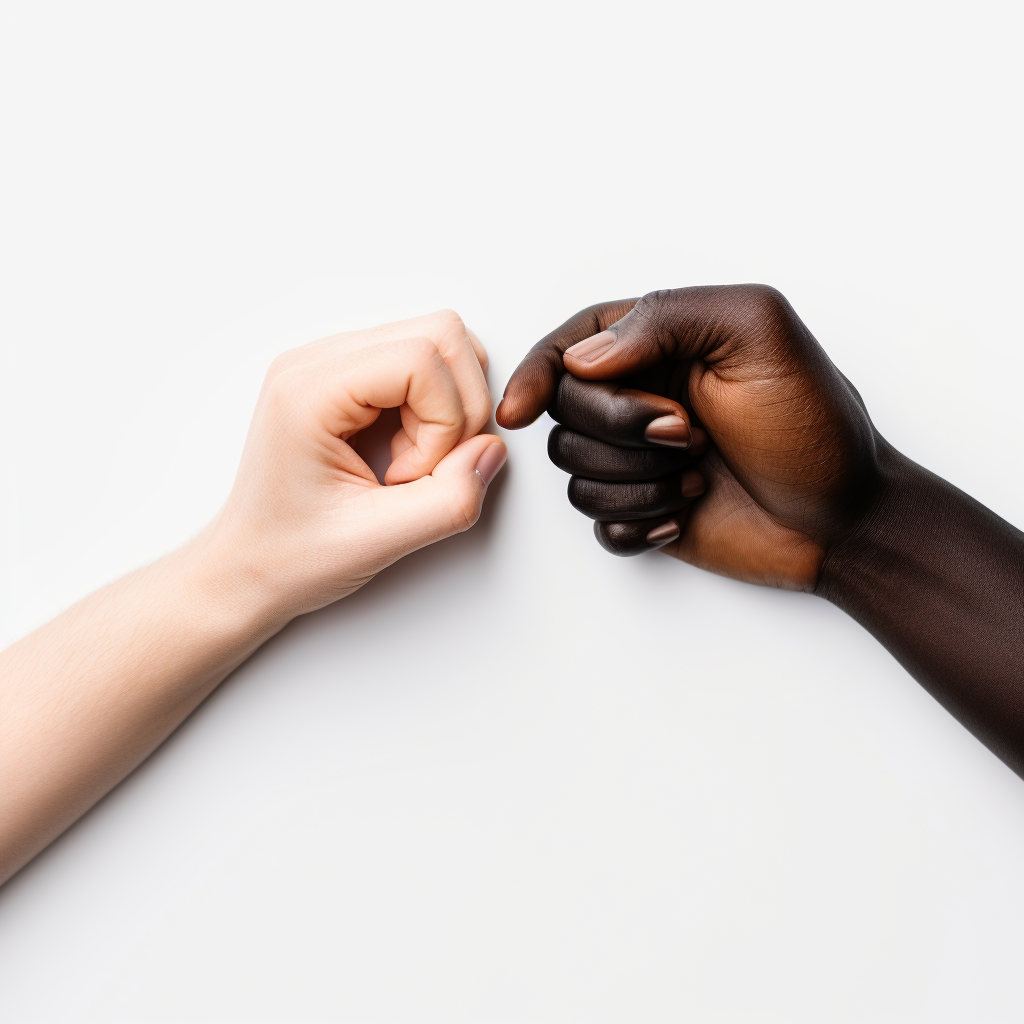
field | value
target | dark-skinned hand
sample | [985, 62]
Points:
[710, 423]
[791, 457]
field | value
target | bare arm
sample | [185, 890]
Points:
[87, 697]
[709, 422]
[939, 580]
[90, 695]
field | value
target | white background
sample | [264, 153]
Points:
[514, 779]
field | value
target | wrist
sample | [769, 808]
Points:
[902, 502]
[921, 547]
[235, 586]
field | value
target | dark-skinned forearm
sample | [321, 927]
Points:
[939, 580]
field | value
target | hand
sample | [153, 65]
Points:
[307, 522]
[89, 695]
[720, 390]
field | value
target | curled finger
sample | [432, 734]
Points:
[463, 353]
[622, 416]
[636, 536]
[636, 499]
[586, 456]
[409, 374]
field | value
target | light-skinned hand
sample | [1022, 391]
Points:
[307, 521]
[85, 698]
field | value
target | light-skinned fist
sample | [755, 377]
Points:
[307, 522]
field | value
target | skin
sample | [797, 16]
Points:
[708, 422]
[87, 697]
[793, 452]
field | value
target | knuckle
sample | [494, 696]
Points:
[478, 412]
[474, 423]
[573, 452]
[284, 396]
[464, 508]
[558, 446]
[281, 387]
[767, 296]
[449, 320]
[280, 365]
[423, 350]
[584, 496]
[456, 419]
[623, 500]
[481, 354]
[648, 306]
[767, 306]
[622, 539]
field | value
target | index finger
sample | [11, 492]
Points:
[462, 350]
[408, 373]
[531, 387]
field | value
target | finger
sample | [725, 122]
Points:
[481, 353]
[639, 499]
[622, 416]
[446, 502]
[400, 441]
[586, 457]
[640, 535]
[461, 351]
[459, 347]
[408, 373]
[532, 386]
[715, 323]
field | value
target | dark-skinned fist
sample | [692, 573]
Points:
[707, 422]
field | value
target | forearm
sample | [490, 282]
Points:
[87, 697]
[939, 580]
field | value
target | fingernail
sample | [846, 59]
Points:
[590, 350]
[664, 533]
[692, 484]
[491, 461]
[671, 430]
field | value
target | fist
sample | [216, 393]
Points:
[707, 422]
[307, 522]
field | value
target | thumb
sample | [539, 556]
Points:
[710, 321]
[446, 502]
[531, 388]
[636, 342]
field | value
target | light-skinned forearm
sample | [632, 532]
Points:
[87, 697]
